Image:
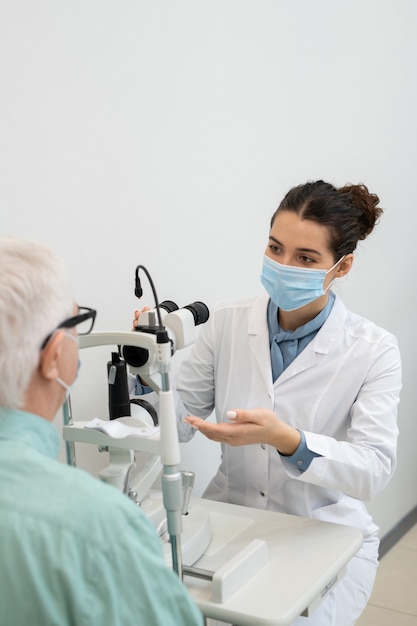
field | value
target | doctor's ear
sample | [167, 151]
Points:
[345, 266]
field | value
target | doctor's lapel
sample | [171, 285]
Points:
[258, 340]
[308, 358]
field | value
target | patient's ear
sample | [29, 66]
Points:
[50, 356]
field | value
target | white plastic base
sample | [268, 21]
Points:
[241, 568]
[195, 541]
[196, 534]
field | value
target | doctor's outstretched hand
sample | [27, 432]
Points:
[250, 426]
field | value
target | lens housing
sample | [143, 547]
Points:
[200, 312]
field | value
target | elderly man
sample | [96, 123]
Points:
[73, 550]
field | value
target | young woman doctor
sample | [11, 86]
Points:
[305, 391]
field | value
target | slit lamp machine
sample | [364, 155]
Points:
[184, 529]
[148, 351]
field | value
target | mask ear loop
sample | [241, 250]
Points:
[74, 338]
[58, 379]
[337, 263]
[332, 268]
[64, 385]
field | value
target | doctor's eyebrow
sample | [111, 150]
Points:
[309, 250]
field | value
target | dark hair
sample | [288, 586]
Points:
[349, 212]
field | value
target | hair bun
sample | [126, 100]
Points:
[359, 197]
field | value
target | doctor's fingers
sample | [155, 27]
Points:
[137, 315]
[260, 416]
[232, 434]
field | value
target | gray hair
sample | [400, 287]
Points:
[35, 296]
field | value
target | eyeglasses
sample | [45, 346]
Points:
[84, 322]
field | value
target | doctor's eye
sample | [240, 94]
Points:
[275, 249]
[306, 259]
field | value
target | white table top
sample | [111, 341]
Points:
[306, 558]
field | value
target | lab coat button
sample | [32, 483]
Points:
[263, 446]
[262, 493]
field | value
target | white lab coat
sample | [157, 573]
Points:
[342, 390]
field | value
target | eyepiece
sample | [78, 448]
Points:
[169, 306]
[200, 312]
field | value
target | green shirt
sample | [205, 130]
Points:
[74, 550]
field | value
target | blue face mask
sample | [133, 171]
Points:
[291, 287]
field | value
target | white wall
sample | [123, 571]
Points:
[165, 133]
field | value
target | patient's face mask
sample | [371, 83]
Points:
[291, 287]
